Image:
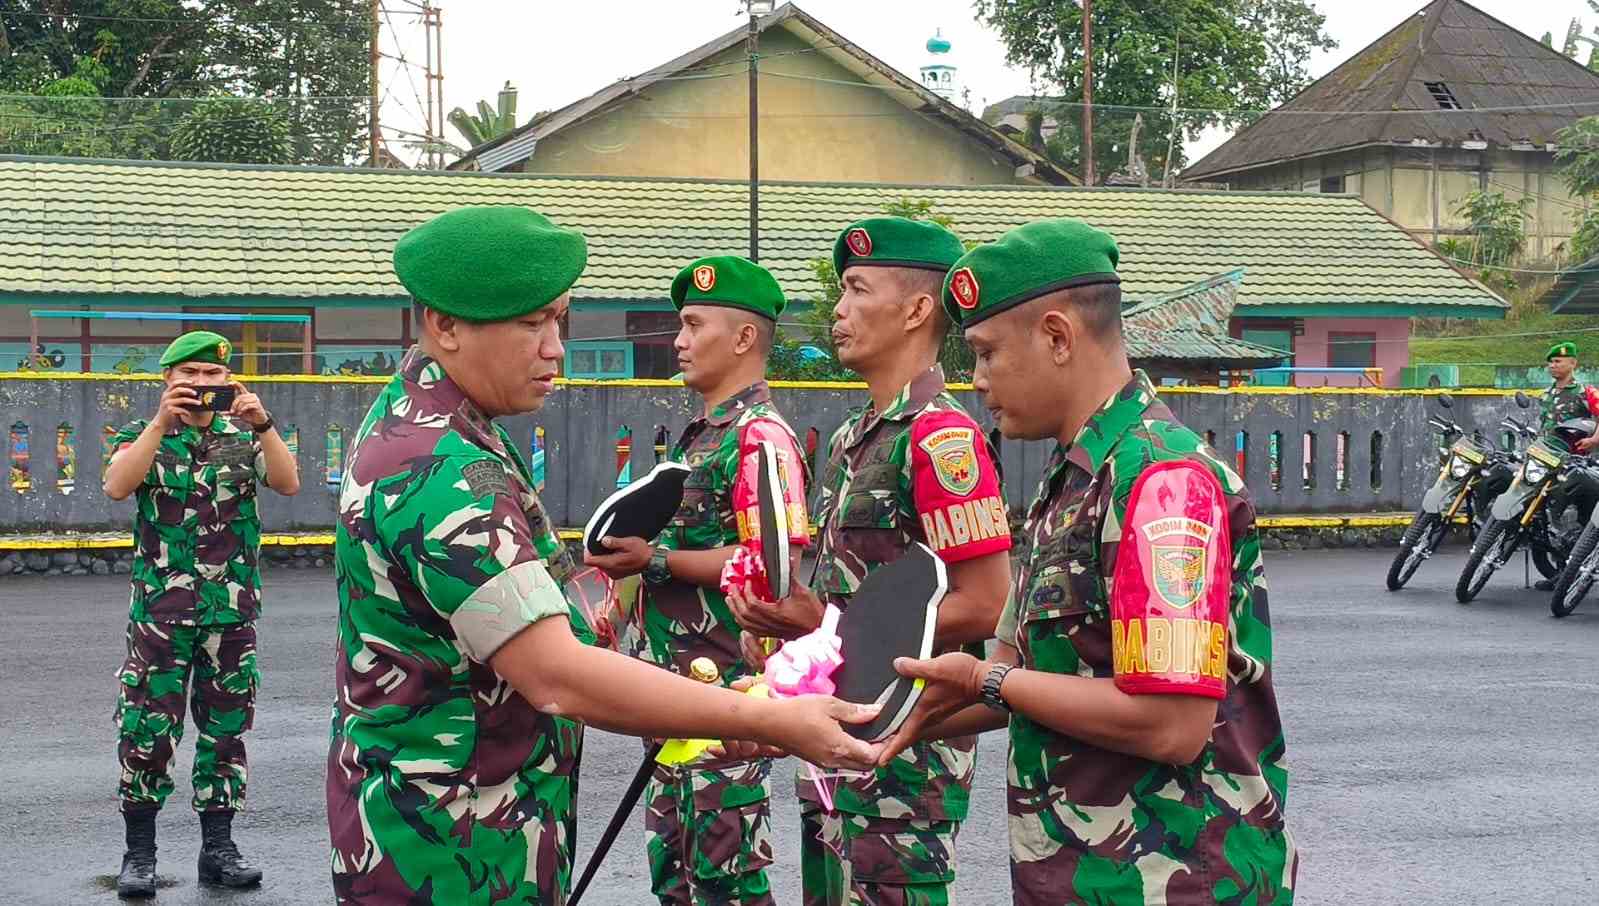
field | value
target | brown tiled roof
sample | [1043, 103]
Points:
[1396, 91]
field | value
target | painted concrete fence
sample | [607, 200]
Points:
[1301, 451]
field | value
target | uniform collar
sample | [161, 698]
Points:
[730, 409]
[431, 387]
[908, 403]
[1115, 417]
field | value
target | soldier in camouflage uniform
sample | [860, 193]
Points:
[1566, 398]
[1135, 656]
[912, 467]
[707, 826]
[196, 595]
[455, 728]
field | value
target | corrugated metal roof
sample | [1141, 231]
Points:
[86, 228]
[1528, 90]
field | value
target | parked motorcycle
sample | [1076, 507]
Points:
[1472, 473]
[1582, 566]
[1545, 485]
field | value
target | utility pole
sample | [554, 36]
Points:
[753, 47]
[1088, 92]
[1171, 140]
[372, 87]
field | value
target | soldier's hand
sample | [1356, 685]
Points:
[750, 645]
[789, 618]
[809, 727]
[247, 406]
[176, 400]
[952, 682]
[630, 557]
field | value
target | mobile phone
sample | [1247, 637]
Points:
[216, 398]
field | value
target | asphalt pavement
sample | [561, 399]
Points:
[1439, 753]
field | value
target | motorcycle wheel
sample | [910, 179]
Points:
[1578, 576]
[1484, 559]
[1548, 563]
[1421, 539]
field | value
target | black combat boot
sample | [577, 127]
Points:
[220, 862]
[137, 878]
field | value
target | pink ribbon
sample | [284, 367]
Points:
[804, 666]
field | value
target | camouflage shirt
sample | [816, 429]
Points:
[444, 785]
[921, 471]
[684, 621]
[196, 533]
[1114, 828]
[1562, 404]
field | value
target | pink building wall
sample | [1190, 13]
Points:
[1311, 350]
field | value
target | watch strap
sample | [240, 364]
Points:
[991, 684]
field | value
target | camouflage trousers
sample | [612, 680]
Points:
[707, 833]
[162, 660]
[855, 860]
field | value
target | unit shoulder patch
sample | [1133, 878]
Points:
[1177, 566]
[953, 453]
[486, 478]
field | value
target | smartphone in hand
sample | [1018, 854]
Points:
[217, 398]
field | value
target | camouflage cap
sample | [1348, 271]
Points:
[895, 242]
[198, 346]
[731, 282]
[1030, 261]
[1565, 347]
[489, 263]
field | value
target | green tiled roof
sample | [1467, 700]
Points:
[87, 230]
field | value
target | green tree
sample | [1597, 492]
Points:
[235, 131]
[154, 61]
[490, 122]
[1498, 234]
[1577, 153]
[1235, 56]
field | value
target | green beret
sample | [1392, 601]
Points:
[198, 346]
[1030, 261]
[489, 263]
[731, 282]
[1565, 348]
[896, 242]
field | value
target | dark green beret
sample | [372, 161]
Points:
[198, 346]
[896, 242]
[1565, 348]
[1030, 261]
[731, 282]
[489, 263]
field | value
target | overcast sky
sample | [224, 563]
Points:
[558, 52]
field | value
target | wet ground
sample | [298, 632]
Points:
[1440, 754]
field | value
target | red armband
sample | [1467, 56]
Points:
[1590, 395]
[1172, 584]
[791, 475]
[956, 487]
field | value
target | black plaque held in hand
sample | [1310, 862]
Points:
[774, 521]
[891, 615]
[640, 510]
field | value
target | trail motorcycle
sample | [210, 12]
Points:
[1472, 473]
[1582, 566]
[1547, 483]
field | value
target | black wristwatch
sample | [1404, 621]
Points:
[657, 572]
[262, 429]
[991, 684]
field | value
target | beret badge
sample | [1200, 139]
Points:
[859, 242]
[963, 285]
[704, 278]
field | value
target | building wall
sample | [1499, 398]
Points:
[809, 130]
[1313, 349]
[1422, 188]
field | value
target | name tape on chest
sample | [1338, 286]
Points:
[486, 478]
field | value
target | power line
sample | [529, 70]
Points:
[191, 21]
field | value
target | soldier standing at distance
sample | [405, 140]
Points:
[196, 595]
[457, 696]
[708, 826]
[911, 467]
[1135, 656]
